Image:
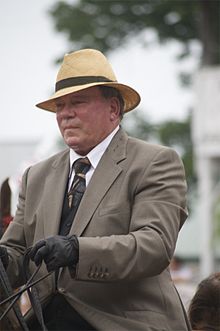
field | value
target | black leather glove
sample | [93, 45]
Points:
[56, 251]
[4, 256]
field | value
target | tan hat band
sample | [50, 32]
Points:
[75, 81]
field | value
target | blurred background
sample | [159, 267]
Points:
[169, 51]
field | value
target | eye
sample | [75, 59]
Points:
[77, 102]
[59, 105]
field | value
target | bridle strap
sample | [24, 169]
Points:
[33, 293]
[31, 290]
[5, 283]
[29, 284]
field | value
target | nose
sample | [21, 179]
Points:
[66, 112]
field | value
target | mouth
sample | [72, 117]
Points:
[70, 128]
[69, 132]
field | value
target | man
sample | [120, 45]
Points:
[110, 244]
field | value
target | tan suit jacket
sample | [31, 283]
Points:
[127, 224]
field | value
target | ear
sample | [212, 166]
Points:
[114, 109]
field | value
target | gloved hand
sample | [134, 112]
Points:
[4, 256]
[56, 251]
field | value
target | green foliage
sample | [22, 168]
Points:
[176, 134]
[138, 126]
[109, 24]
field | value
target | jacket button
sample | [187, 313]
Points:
[61, 290]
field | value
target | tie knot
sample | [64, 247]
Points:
[81, 166]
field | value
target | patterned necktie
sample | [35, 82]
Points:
[74, 194]
[78, 186]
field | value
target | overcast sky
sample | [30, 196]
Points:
[29, 46]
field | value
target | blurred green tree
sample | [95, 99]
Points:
[109, 24]
[176, 134]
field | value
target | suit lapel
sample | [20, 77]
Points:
[55, 186]
[105, 174]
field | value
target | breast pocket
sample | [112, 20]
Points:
[122, 208]
[111, 219]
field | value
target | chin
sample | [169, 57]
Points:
[75, 147]
[72, 142]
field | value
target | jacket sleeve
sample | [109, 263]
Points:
[158, 213]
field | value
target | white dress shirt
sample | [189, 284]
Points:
[94, 156]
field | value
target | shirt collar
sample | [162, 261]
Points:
[96, 153]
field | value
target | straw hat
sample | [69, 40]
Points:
[86, 68]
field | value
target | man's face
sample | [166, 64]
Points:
[85, 118]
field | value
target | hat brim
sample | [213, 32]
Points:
[130, 96]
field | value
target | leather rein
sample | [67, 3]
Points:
[12, 297]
